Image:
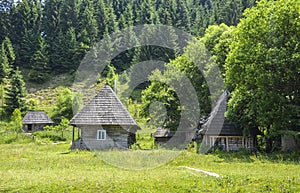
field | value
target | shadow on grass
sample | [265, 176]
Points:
[248, 157]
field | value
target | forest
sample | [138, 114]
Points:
[254, 44]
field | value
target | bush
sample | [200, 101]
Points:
[53, 136]
[7, 137]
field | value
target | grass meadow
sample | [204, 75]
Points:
[36, 167]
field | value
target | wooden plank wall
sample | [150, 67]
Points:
[116, 137]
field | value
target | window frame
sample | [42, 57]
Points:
[101, 134]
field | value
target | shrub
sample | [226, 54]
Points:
[53, 136]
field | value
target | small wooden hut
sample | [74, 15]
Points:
[35, 121]
[218, 132]
[290, 143]
[162, 135]
[104, 123]
[179, 138]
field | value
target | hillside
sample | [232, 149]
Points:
[250, 49]
[51, 37]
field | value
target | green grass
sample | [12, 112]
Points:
[53, 168]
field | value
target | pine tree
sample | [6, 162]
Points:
[69, 15]
[7, 58]
[5, 8]
[101, 18]
[16, 92]
[87, 29]
[182, 19]
[112, 24]
[164, 13]
[39, 64]
[27, 20]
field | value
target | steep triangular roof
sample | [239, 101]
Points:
[217, 124]
[104, 109]
[36, 117]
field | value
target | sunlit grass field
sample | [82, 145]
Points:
[53, 168]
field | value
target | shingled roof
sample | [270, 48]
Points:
[217, 124]
[163, 132]
[36, 117]
[104, 109]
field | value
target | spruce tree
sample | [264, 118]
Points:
[39, 64]
[101, 18]
[7, 58]
[5, 7]
[87, 29]
[27, 20]
[16, 92]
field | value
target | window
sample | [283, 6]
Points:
[101, 135]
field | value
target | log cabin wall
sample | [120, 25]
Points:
[116, 137]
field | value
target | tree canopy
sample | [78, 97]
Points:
[263, 68]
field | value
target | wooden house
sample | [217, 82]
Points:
[35, 121]
[162, 135]
[290, 143]
[167, 138]
[218, 132]
[104, 123]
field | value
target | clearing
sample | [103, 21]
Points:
[53, 168]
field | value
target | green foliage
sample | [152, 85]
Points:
[77, 102]
[26, 29]
[111, 76]
[32, 104]
[263, 69]
[50, 135]
[162, 92]
[63, 105]
[39, 64]
[70, 28]
[7, 57]
[16, 120]
[187, 71]
[217, 39]
[10, 132]
[144, 141]
[63, 125]
[16, 93]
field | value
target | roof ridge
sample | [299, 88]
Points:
[103, 109]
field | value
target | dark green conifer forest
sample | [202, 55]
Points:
[52, 36]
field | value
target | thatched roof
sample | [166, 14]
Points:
[36, 117]
[104, 109]
[217, 124]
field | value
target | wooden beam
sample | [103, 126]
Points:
[227, 144]
[243, 142]
[73, 135]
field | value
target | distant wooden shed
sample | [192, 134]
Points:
[179, 138]
[218, 132]
[35, 121]
[162, 135]
[104, 123]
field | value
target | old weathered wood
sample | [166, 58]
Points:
[105, 112]
[35, 121]
[218, 131]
